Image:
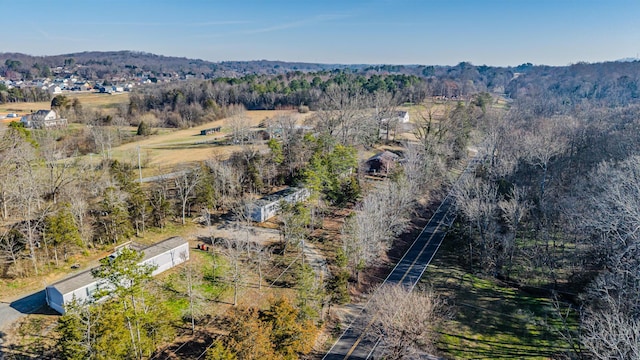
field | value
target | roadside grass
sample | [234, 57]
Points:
[491, 320]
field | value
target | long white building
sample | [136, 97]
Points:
[267, 207]
[80, 287]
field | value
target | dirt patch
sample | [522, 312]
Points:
[31, 337]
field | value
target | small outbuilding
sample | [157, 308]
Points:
[382, 163]
[210, 131]
[81, 287]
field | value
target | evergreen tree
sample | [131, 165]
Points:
[114, 219]
[291, 334]
[141, 314]
[62, 230]
[220, 352]
[143, 129]
[70, 341]
[249, 338]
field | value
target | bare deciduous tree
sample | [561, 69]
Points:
[513, 210]
[545, 141]
[407, 321]
[234, 250]
[240, 124]
[343, 116]
[611, 333]
[12, 244]
[192, 278]
[104, 139]
[227, 183]
[478, 201]
[380, 217]
[384, 106]
[186, 183]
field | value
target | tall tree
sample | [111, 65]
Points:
[127, 280]
[406, 321]
[114, 224]
[186, 183]
[62, 230]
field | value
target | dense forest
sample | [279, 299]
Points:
[552, 208]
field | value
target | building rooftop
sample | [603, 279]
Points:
[276, 196]
[384, 156]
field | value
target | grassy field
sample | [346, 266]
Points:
[88, 101]
[173, 147]
[492, 320]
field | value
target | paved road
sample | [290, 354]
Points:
[353, 343]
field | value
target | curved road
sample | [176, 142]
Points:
[353, 343]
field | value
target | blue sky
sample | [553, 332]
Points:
[444, 32]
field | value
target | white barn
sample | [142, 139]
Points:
[81, 287]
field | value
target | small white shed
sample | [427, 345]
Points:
[81, 287]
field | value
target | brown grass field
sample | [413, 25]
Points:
[88, 101]
[168, 148]
[171, 148]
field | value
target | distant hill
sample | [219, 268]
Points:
[99, 64]
[628, 59]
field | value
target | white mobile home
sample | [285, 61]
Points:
[268, 206]
[164, 255]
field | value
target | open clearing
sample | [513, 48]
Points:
[174, 147]
[491, 320]
[87, 99]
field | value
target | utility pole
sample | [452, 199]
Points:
[139, 165]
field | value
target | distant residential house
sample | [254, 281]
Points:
[401, 117]
[81, 287]
[43, 119]
[55, 90]
[382, 163]
[81, 86]
[267, 207]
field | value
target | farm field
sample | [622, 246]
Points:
[88, 100]
[171, 148]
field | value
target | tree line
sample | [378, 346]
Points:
[552, 208]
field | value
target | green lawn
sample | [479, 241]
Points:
[490, 320]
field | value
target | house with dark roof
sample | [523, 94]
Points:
[43, 119]
[383, 162]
